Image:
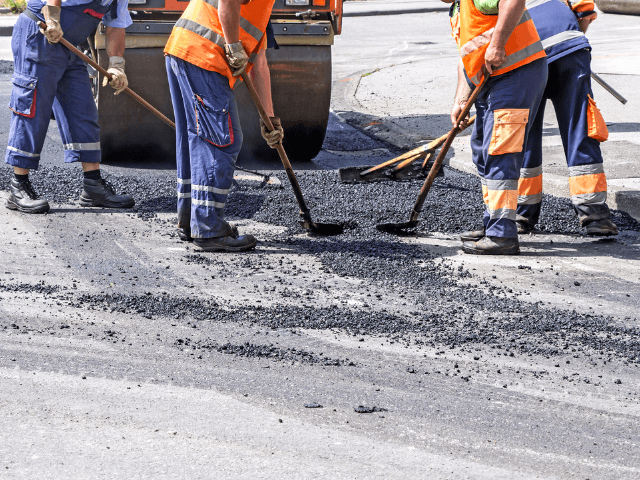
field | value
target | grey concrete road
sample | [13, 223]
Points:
[125, 353]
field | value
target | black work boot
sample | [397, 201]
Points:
[601, 228]
[230, 243]
[23, 198]
[184, 234]
[98, 193]
[493, 246]
[473, 235]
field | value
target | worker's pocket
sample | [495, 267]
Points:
[509, 127]
[597, 128]
[23, 95]
[213, 124]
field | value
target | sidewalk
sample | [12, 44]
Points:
[368, 8]
[409, 104]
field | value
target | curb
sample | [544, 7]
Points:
[374, 13]
[349, 110]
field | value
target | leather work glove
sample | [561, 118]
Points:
[119, 79]
[236, 57]
[274, 137]
[53, 33]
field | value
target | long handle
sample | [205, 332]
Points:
[608, 88]
[429, 150]
[417, 208]
[127, 90]
[283, 155]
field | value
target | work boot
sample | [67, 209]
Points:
[23, 198]
[98, 193]
[473, 235]
[524, 227]
[184, 234]
[493, 246]
[601, 228]
[230, 243]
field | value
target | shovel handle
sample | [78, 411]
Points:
[283, 155]
[417, 208]
[127, 90]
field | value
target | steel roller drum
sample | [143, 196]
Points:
[301, 89]
[628, 7]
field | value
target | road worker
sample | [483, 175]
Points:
[498, 38]
[579, 120]
[48, 77]
[211, 45]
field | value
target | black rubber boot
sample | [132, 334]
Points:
[98, 193]
[230, 243]
[23, 198]
[473, 235]
[184, 234]
[493, 246]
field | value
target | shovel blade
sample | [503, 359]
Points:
[397, 228]
[322, 229]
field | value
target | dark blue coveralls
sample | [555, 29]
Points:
[49, 77]
[208, 141]
[568, 87]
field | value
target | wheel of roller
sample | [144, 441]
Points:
[627, 7]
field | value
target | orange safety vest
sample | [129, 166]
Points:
[476, 28]
[197, 36]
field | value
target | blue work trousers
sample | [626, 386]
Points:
[499, 137]
[208, 141]
[50, 78]
[568, 88]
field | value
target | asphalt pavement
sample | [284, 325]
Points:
[125, 352]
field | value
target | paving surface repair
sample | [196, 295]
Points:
[366, 355]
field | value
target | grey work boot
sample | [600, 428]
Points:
[23, 198]
[98, 193]
[473, 235]
[493, 246]
[230, 243]
[184, 234]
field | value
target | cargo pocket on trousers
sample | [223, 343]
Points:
[213, 124]
[23, 95]
[509, 127]
[595, 122]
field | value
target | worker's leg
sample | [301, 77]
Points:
[77, 116]
[182, 151]
[37, 68]
[510, 99]
[587, 180]
[215, 138]
[530, 183]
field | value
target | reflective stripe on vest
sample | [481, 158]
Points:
[197, 37]
[476, 29]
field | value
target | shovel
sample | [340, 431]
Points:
[325, 229]
[400, 171]
[399, 228]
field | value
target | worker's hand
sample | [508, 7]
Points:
[274, 137]
[458, 107]
[51, 14]
[237, 58]
[118, 78]
[494, 57]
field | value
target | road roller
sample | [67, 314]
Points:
[300, 77]
[625, 7]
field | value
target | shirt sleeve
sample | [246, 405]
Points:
[488, 7]
[124, 18]
[583, 8]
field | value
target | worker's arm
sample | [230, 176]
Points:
[261, 77]
[463, 92]
[229, 15]
[509, 14]
[115, 51]
[51, 13]
[585, 10]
